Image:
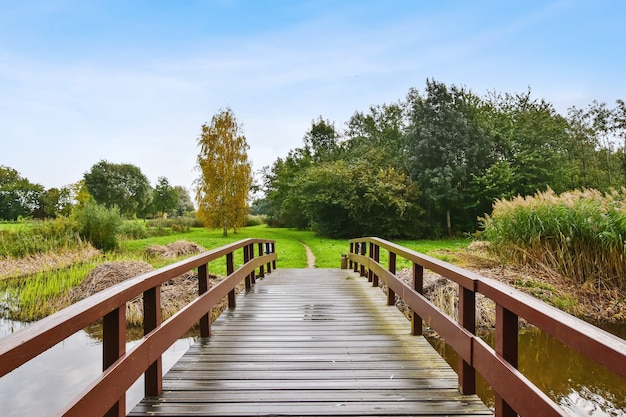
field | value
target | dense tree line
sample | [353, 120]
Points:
[111, 185]
[434, 163]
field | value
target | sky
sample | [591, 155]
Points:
[132, 81]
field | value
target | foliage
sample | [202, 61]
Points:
[226, 175]
[165, 198]
[185, 205]
[99, 225]
[42, 236]
[357, 200]
[121, 185]
[18, 196]
[579, 234]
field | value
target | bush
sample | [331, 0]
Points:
[134, 230]
[99, 225]
[43, 236]
[255, 220]
[579, 234]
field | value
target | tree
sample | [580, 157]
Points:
[121, 185]
[444, 147]
[18, 196]
[184, 203]
[322, 139]
[165, 198]
[226, 175]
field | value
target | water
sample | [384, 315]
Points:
[42, 386]
[576, 383]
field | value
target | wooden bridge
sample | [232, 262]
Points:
[311, 342]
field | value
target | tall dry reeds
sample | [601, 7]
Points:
[578, 234]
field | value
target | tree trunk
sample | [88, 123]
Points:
[449, 223]
[225, 229]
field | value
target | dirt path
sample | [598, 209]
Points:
[310, 258]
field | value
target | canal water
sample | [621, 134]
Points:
[576, 383]
[42, 386]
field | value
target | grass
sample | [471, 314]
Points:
[33, 297]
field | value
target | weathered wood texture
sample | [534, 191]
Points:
[311, 342]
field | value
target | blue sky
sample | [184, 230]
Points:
[132, 81]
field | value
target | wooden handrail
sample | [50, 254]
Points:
[106, 395]
[515, 394]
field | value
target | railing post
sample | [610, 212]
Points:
[251, 254]
[246, 259]
[203, 286]
[262, 267]
[153, 377]
[370, 273]
[273, 246]
[114, 346]
[269, 264]
[391, 295]
[376, 257]
[363, 250]
[230, 268]
[350, 266]
[467, 319]
[418, 285]
[507, 347]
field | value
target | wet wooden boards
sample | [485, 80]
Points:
[311, 342]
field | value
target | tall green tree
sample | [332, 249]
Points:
[322, 140]
[164, 197]
[121, 185]
[225, 173]
[18, 196]
[444, 147]
[184, 205]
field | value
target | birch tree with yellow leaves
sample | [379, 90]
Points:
[225, 173]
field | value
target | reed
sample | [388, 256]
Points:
[579, 234]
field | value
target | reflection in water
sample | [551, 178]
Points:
[577, 383]
[42, 386]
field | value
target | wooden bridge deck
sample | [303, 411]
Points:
[311, 342]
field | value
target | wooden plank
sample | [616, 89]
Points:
[311, 342]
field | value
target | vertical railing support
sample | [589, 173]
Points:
[467, 319]
[203, 286]
[246, 259]
[391, 295]
[376, 257]
[350, 266]
[251, 255]
[507, 347]
[114, 346]
[262, 267]
[153, 377]
[230, 268]
[363, 250]
[273, 250]
[370, 273]
[418, 286]
[269, 264]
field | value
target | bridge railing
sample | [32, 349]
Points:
[106, 394]
[514, 393]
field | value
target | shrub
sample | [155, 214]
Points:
[99, 225]
[43, 236]
[579, 234]
[255, 220]
[133, 230]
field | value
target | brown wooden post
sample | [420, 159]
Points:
[418, 285]
[153, 377]
[350, 266]
[246, 259]
[269, 264]
[370, 273]
[391, 295]
[114, 346]
[203, 286]
[467, 319]
[507, 347]
[273, 245]
[363, 250]
[251, 254]
[262, 267]
[230, 268]
[357, 249]
[376, 258]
